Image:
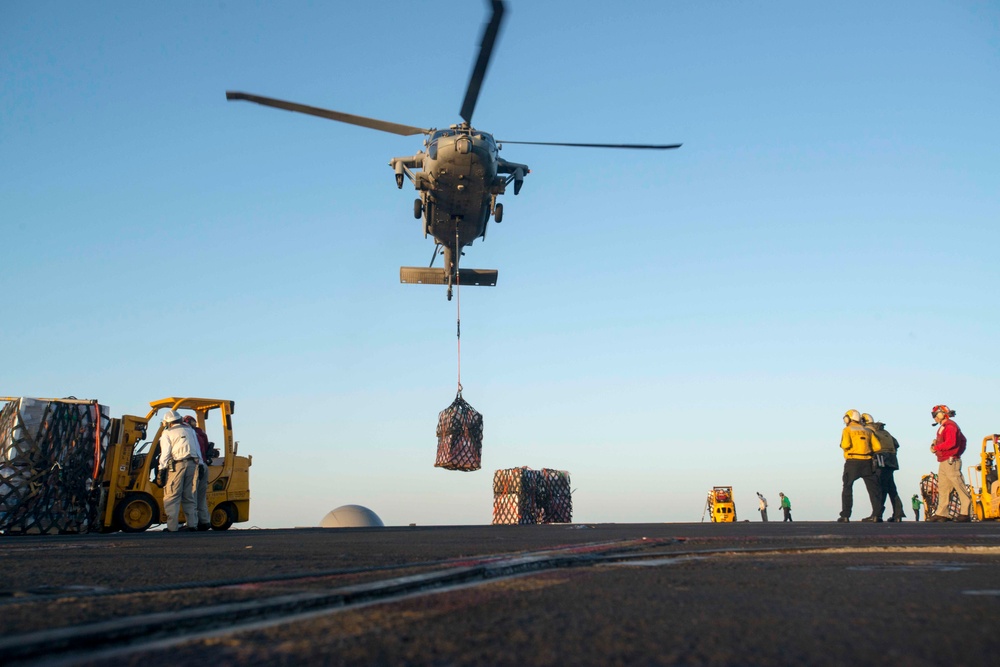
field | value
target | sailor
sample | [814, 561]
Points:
[786, 506]
[180, 457]
[856, 441]
[916, 502]
[885, 463]
[948, 446]
[201, 478]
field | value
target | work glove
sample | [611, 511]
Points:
[161, 478]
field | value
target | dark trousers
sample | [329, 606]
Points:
[888, 485]
[855, 469]
[788, 513]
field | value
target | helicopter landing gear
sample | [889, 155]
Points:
[498, 212]
[418, 208]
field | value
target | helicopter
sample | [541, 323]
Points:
[458, 173]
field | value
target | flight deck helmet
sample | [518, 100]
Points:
[942, 408]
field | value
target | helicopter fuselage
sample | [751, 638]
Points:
[458, 176]
[461, 185]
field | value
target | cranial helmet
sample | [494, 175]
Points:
[171, 417]
[867, 419]
[189, 420]
[852, 415]
[942, 408]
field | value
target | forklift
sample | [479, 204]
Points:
[131, 499]
[983, 482]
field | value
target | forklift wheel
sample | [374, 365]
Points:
[135, 513]
[223, 516]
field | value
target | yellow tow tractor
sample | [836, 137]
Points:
[983, 481]
[133, 502]
[720, 504]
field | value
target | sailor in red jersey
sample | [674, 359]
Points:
[949, 447]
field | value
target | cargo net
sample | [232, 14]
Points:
[929, 490]
[460, 437]
[526, 496]
[51, 461]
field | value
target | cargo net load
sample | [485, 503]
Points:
[526, 496]
[460, 437]
[929, 490]
[51, 461]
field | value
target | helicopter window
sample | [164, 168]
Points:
[432, 144]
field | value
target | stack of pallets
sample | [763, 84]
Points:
[526, 496]
[929, 490]
[514, 496]
[51, 462]
[553, 497]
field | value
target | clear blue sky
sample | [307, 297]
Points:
[664, 322]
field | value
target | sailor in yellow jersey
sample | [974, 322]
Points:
[856, 441]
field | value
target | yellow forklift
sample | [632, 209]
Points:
[132, 502]
[720, 504]
[983, 481]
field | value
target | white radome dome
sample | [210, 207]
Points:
[351, 516]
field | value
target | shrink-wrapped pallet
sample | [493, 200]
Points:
[553, 496]
[515, 480]
[929, 490]
[514, 509]
[460, 437]
[51, 462]
[514, 496]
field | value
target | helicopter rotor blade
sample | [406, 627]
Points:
[656, 147]
[490, 33]
[363, 121]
